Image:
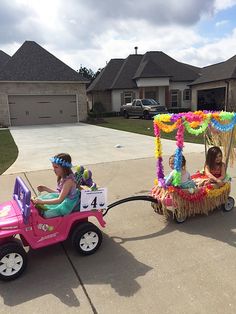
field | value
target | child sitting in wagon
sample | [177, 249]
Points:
[214, 169]
[186, 181]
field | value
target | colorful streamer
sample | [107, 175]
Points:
[193, 122]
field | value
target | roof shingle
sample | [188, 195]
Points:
[105, 79]
[122, 73]
[31, 62]
[159, 64]
[217, 72]
[3, 58]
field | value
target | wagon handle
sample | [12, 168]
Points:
[129, 199]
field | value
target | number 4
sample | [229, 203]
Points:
[94, 202]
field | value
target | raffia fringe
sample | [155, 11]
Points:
[222, 139]
[190, 208]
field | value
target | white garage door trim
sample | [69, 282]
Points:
[42, 109]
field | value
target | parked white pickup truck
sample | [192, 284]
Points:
[145, 108]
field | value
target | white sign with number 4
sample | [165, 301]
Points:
[93, 200]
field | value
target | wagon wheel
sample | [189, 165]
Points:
[229, 205]
[179, 218]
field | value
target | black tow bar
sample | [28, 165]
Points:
[129, 199]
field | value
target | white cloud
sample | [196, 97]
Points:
[211, 53]
[91, 32]
[223, 4]
[222, 23]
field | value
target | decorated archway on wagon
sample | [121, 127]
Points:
[219, 130]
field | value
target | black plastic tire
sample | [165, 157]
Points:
[86, 238]
[229, 205]
[13, 261]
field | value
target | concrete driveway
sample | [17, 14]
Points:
[145, 263]
[86, 143]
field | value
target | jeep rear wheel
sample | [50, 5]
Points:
[13, 261]
[86, 238]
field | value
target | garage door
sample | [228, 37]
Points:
[30, 110]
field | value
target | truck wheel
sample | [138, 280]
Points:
[146, 115]
[13, 261]
[126, 115]
[86, 238]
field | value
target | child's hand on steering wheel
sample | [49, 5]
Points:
[41, 188]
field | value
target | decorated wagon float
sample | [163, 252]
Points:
[218, 129]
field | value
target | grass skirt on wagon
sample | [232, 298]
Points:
[184, 202]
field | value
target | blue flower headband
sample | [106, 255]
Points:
[61, 162]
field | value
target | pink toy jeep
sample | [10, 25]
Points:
[19, 217]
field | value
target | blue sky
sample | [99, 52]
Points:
[219, 25]
[91, 32]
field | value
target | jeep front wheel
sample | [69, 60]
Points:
[86, 238]
[13, 261]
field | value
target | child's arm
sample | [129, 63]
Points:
[43, 188]
[169, 178]
[223, 172]
[64, 192]
[210, 175]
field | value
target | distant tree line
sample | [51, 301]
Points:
[88, 73]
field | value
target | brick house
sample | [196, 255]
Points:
[38, 88]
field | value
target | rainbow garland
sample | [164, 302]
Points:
[194, 123]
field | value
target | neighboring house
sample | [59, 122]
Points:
[38, 88]
[215, 89]
[152, 75]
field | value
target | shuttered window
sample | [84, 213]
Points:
[175, 98]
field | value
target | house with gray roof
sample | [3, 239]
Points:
[38, 88]
[152, 75]
[215, 89]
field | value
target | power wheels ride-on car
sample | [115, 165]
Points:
[19, 217]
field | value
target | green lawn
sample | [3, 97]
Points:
[8, 149]
[141, 126]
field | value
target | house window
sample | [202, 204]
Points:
[174, 98]
[186, 94]
[128, 97]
